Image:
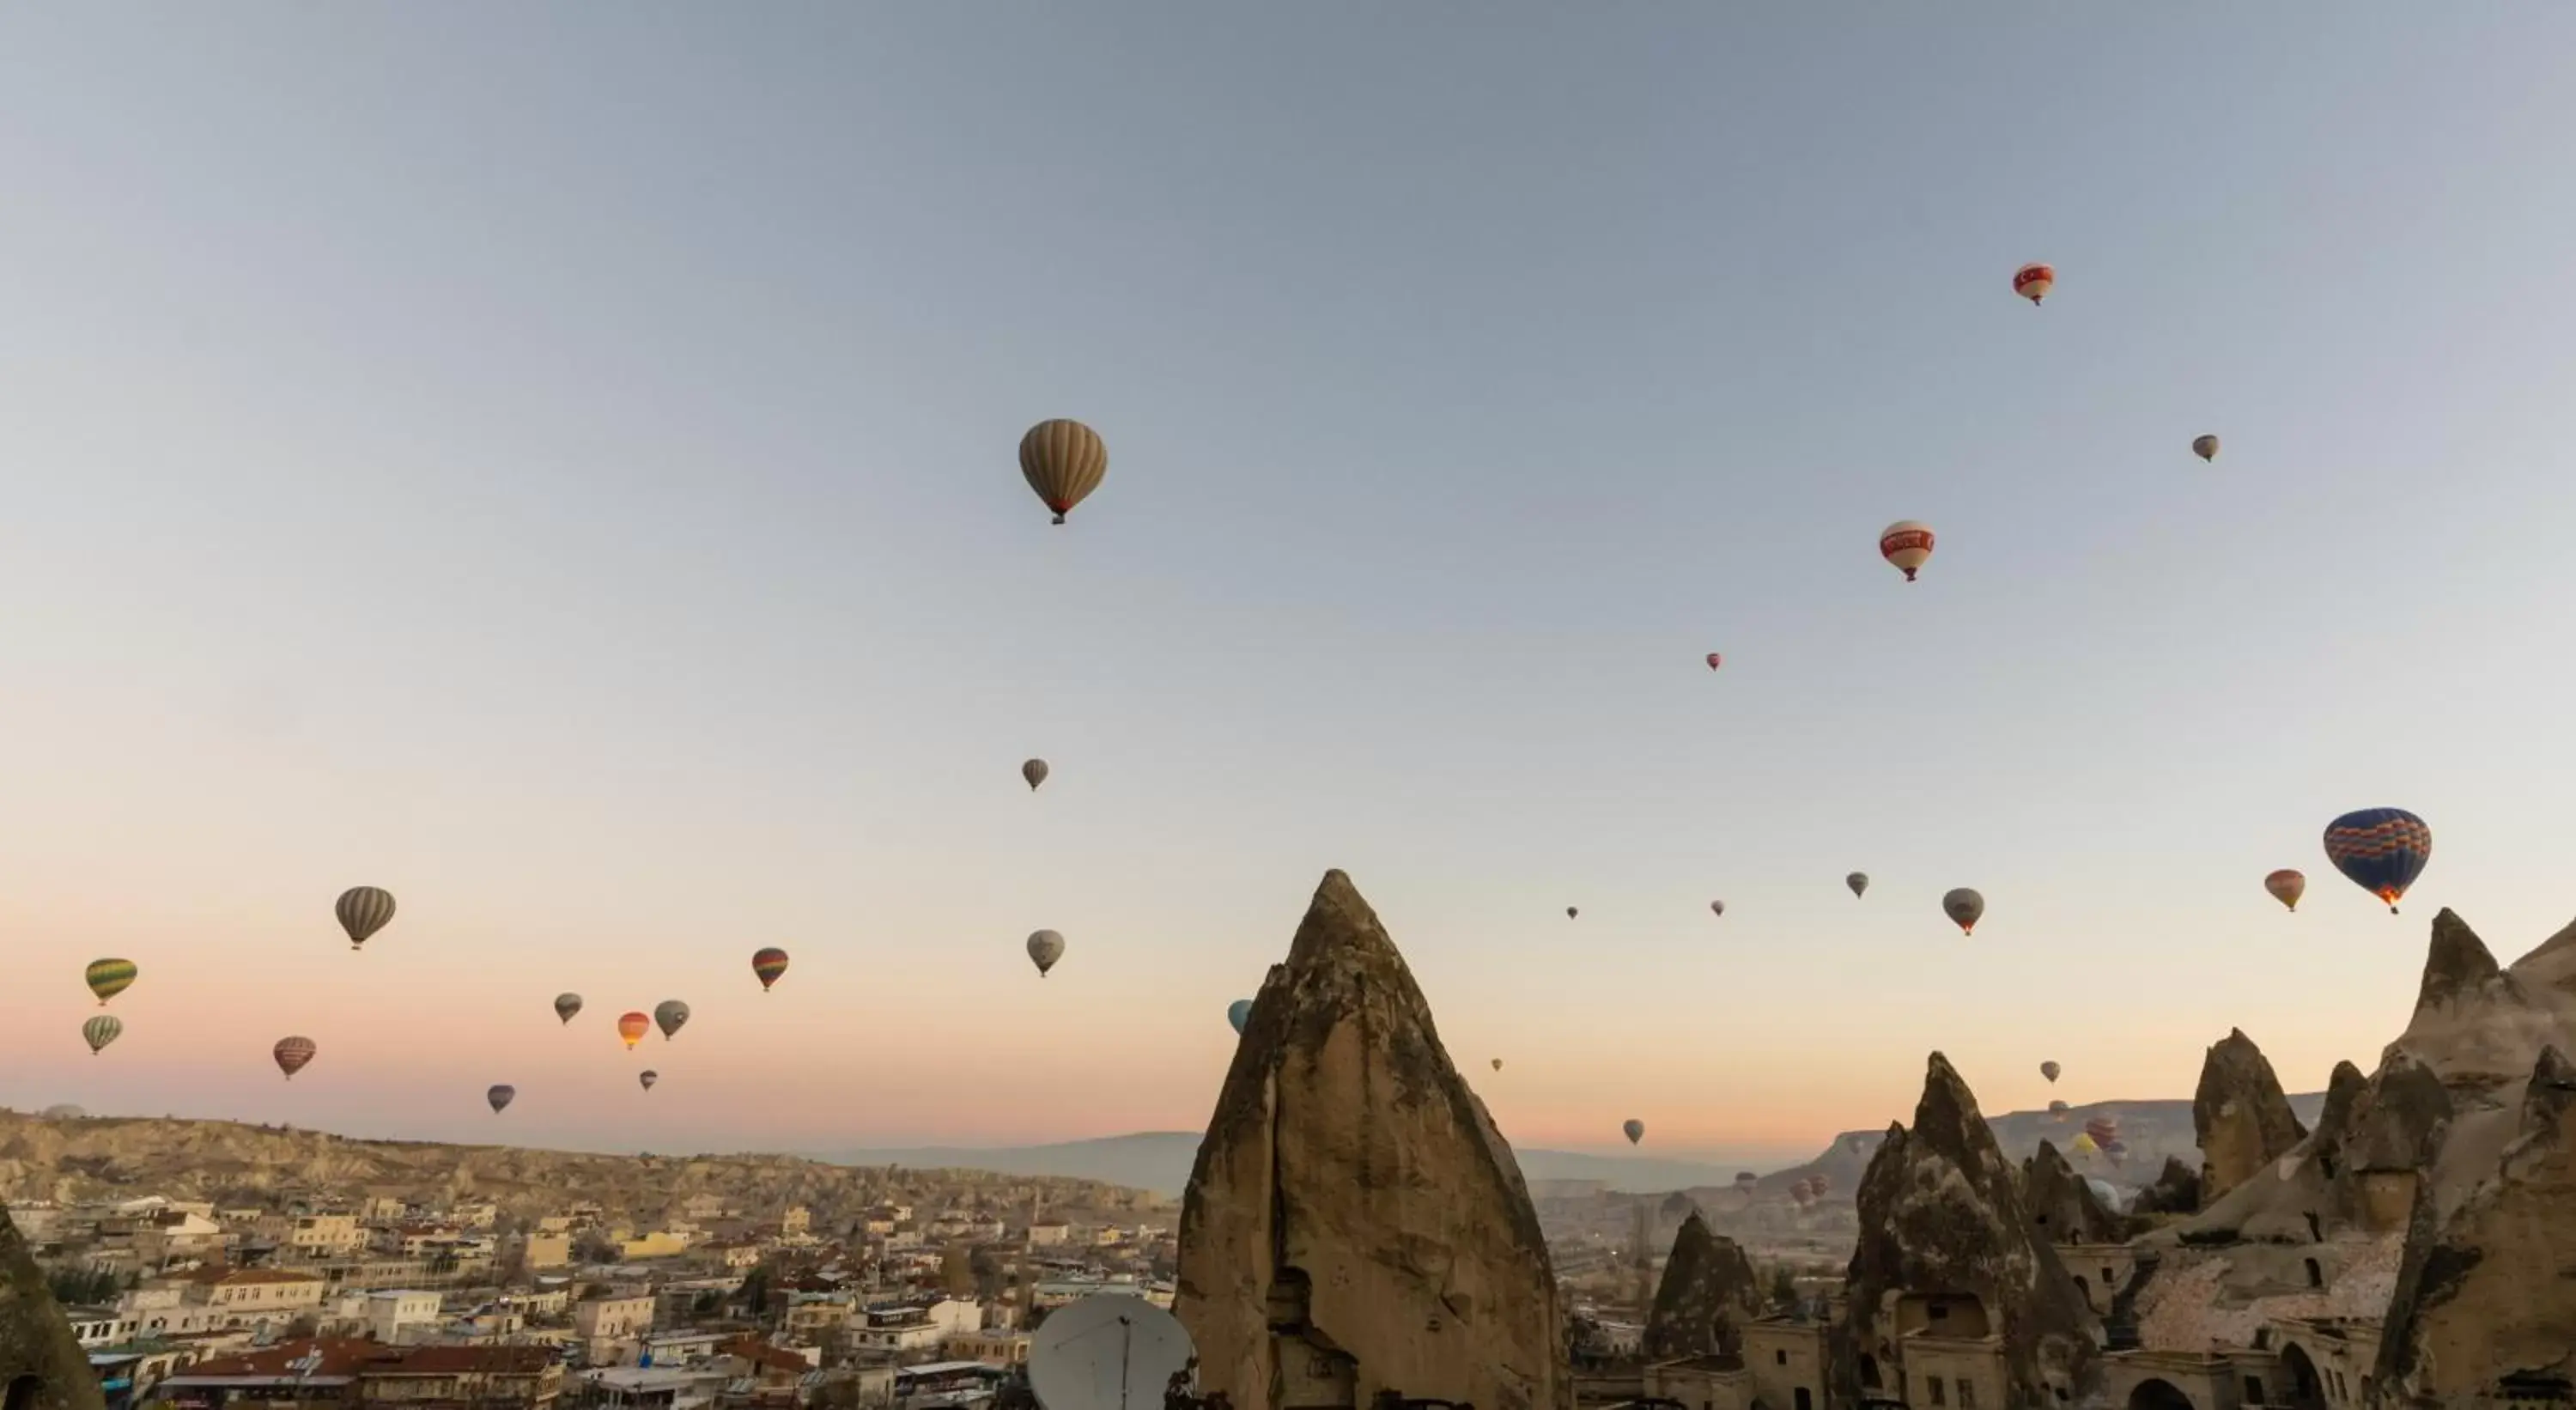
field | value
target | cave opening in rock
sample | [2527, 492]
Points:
[2159, 1395]
[21, 1394]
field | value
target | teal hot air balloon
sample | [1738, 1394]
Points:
[2382, 850]
[1239, 1013]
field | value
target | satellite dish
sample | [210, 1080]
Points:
[1109, 1351]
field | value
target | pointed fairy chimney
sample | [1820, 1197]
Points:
[42, 1366]
[2240, 1114]
[1354, 1222]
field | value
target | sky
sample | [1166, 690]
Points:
[557, 463]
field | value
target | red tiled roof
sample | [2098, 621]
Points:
[767, 1357]
[464, 1360]
[340, 1357]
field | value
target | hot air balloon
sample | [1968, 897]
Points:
[1858, 882]
[1239, 1013]
[1571, 913]
[1964, 905]
[101, 1031]
[2033, 281]
[1063, 461]
[501, 1095]
[1906, 544]
[2083, 1145]
[1636, 1130]
[292, 1054]
[1498, 1064]
[1745, 1179]
[566, 1005]
[2050, 1070]
[2383, 850]
[1802, 1194]
[2206, 447]
[109, 978]
[1818, 1184]
[2103, 1129]
[1713, 659]
[363, 910]
[2287, 886]
[631, 1026]
[1035, 771]
[668, 1015]
[2117, 1152]
[2057, 1110]
[1045, 948]
[2104, 1192]
[769, 963]
[647, 1078]
[1717, 908]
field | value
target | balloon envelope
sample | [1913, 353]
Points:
[1063, 461]
[566, 1005]
[1035, 771]
[2050, 1070]
[1636, 1130]
[632, 1026]
[768, 963]
[101, 1031]
[501, 1095]
[2033, 281]
[2287, 886]
[1045, 948]
[1713, 659]
[2382, 850]
[1498, 1064]
[1964, 906]
[1238, 1013]
[2206, 447]
[1571, 913]
[647, 1078]
[1906, 544]
[668, 1015]
[1717, 908]
[291, 1054]
[2057, 1108]
[109, 978]
[1858, 882]
[363, 910]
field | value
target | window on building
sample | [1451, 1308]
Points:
[1805, 1401]
[2253, 1390]
[1967, 1394]
[1940, 1310]
[1780, 1357]
[2107, 1279]
[1939, 1388]
[2316, 1274]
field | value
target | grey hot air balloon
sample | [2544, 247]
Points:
[566, 1005]
[501, 1095]
[1571, 913]
[1063, 461]
[2050, 1070]
[1045, 948]
[669, 1015]
[1858, 882]
[1498, 1064]
[101, 1031]
[1035, 771]
[2206, 447]
[1635, 1129]
[1717, 908]
[364, 910]
[1964, 905]
[648, 1077]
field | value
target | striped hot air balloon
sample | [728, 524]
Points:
[101, 1031]
[769, 963]
[1063, 461]
[364, 910]
[292, 1054]
[2382, 850]
[2033, 281]
[632, 1027]
[109, 978]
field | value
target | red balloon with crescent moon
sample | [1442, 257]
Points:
[2033, 281]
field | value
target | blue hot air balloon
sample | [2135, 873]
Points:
[1239, 1013]
[2383, 850]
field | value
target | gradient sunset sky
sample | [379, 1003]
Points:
[557, 463]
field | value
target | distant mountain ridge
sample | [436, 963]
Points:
[1160, 1160]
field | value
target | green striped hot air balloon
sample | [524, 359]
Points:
[109, 978]
[99, 1032]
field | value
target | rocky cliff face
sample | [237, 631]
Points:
[2063, 1209]
[1355, 1222]
[42, 1366]
[2175, 1191]
[1707, 1295]
[2240, 1114]
[1941, 1213]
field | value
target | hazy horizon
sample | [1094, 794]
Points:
[557, 464]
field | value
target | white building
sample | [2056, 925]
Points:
[402, 1316]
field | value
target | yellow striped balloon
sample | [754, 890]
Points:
[109, 978]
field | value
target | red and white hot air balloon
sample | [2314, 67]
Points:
[1907, 544]
[2033, 281]
[1712, 660]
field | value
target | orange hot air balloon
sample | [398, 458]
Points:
[2287, 885]
[632, 1026]
[2033, 281]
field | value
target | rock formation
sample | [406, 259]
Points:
[1941, 1213]
[2241, 1115]
[1354, 1222]
[2063, 1208]
[2176, 1191]
[42, 1366]
[1708, 1294]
